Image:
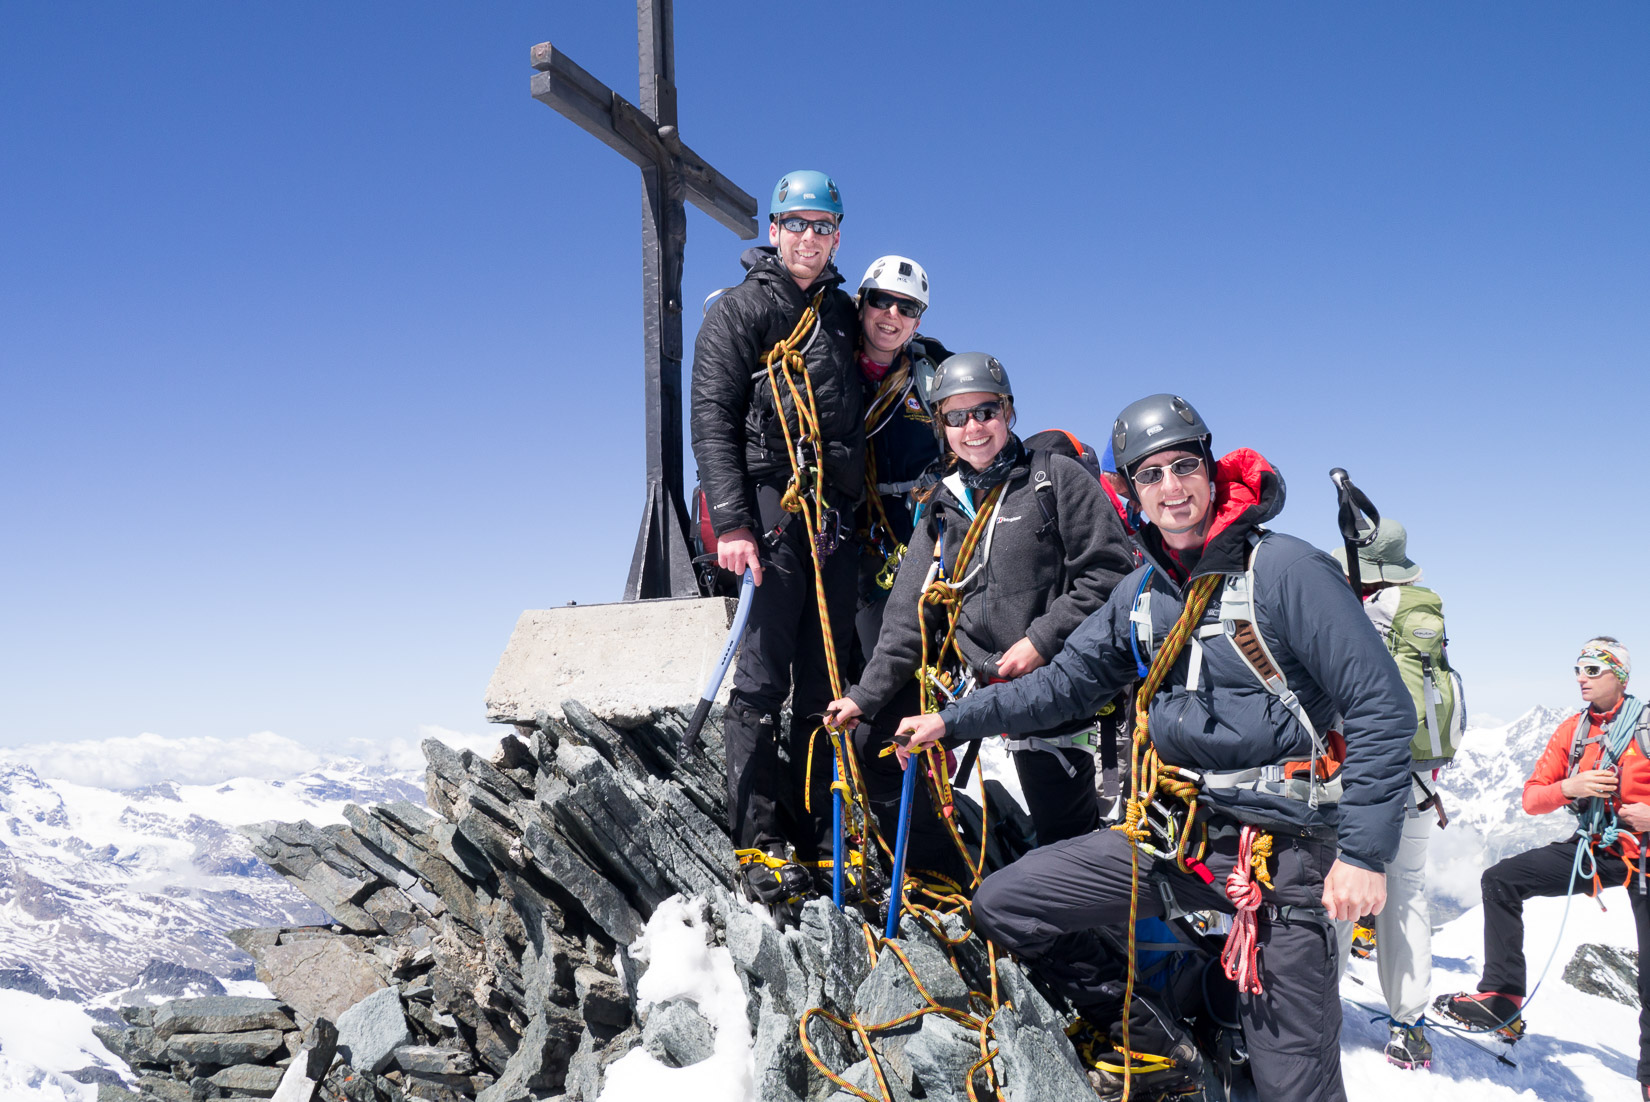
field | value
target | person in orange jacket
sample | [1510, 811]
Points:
[1595, 765]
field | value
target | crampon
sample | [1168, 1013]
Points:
[1484, 1012]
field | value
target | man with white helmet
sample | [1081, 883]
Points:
[897, 364]
[778, 425]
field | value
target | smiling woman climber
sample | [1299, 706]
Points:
[1012, 550]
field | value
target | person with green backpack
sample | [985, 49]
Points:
[1410, 618]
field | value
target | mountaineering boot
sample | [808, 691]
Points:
[1363, 939]
[1167, 1063]
[1485, 1012]
[1408, 1047]
[861, 881]
[772, 878]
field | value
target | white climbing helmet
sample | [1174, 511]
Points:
[899, 274]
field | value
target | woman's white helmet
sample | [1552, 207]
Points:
[899, 274]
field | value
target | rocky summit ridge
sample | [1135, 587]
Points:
[481, 948]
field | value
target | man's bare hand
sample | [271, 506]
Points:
[1636, 816]
[915, 734]
[737, 550]
[1019, 659]
[843, 713]
[1349, 892]
[1589, 782]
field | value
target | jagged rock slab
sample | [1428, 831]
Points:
[1606, 971]
[622, 661]
[249, 1080]
[370, 1031]
[677, 1035]
[220, 1014]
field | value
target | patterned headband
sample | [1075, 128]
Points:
[1613, 655]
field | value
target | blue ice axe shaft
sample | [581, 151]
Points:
[896, 894]
[741, 617]
[836, 823]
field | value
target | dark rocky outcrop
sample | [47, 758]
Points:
[1606, 971]
[480, 950]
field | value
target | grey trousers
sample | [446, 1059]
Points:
[1045, 907]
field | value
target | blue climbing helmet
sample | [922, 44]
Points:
[805, 190]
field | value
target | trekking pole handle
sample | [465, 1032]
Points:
[1354, 502]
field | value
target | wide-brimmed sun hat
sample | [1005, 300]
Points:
[1386, 559]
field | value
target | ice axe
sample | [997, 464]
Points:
[1359, 521]
[741, 617]
[908, 787]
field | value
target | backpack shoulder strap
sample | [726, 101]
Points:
[1043, 487]
[1239, 624]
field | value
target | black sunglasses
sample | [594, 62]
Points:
[1182, 468]
[884, 300]
[822, 228]
[985, 411]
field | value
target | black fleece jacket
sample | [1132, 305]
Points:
[1030, 586]
[737, 437]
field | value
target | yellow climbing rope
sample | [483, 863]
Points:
[891, 390]
[1147, 776]
[805, 495]
[984, 1007]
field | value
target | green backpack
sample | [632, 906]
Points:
[1417, 642]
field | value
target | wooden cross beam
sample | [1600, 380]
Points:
[671, 174]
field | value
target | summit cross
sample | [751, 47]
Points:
[645, 135]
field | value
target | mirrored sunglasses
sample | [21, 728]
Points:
[887, 300]
[1181, 468]
[822, 228]
[985, 411]
[1592, 669]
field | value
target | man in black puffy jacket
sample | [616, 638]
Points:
[739, 440]
[1264, 757]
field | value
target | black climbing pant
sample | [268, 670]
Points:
[1546, 872]
[784, 653]
[1047, 905]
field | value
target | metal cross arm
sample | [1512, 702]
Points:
[562, 84]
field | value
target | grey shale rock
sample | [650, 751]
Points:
[223, 1049]
[303, 1077]
[220, 1014]
[249, 1080]
[480, 950]
[430, 1060]
[1606, 971]
[370, 1031]
[677, 1035]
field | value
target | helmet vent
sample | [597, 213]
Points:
[904, 269]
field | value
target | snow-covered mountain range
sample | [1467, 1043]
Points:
[121, 895]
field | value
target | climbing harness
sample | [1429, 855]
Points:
[880, 532]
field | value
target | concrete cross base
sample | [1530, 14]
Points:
[623, 661]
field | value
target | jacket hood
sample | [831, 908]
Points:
[762, 262]
[1248, 492]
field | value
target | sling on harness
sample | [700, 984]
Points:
[1599, 824]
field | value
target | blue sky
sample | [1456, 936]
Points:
[320, 344]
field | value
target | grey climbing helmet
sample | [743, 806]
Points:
[1154, 424]
[968, 373]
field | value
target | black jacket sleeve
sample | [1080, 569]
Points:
[1097, 553]
[725, 356]
[1094, 664]
[899, 647]
[1330, 636]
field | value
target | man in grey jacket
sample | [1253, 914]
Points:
[1264, 755]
